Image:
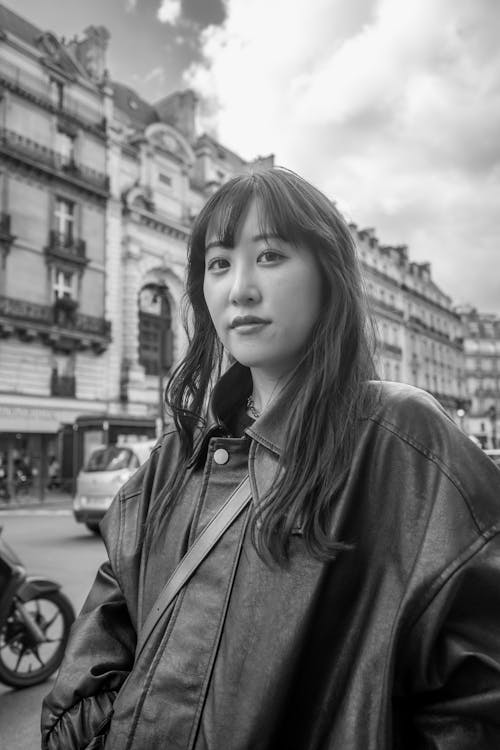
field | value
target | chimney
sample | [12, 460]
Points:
[179, 110]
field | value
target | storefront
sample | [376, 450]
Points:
[30, 443]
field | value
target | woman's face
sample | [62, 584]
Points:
[263, 295]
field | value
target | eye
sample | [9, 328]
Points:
[270, 256]
[216, 264]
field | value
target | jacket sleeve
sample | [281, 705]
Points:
[98, 659]
[453, 660]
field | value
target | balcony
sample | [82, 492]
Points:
[61, 329]
[62, 385]
[34, 154]
[28, 87]
[375, 303]
[63, 247]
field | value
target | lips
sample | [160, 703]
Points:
[248, 320]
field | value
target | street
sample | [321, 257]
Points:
[50, 544]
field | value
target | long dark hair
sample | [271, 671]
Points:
[327, 387]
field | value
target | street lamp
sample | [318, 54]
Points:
[461, 412]
[492, 414]
[160, 292]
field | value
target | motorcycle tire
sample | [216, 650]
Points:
[23, 663]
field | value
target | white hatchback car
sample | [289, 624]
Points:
[106, 470]
[494, 454]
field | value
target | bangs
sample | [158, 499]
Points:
[281, 211]
[226, 215]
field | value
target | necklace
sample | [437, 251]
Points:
[251, 408]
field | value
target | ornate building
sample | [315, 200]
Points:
[419, 335]
[53, 198]
[161, 174]
[482, 363]
[98, 190]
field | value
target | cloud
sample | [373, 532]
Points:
[130, 5]
[169, 11]
[392, 108]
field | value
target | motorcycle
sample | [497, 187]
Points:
[4, 489]
[35, 620]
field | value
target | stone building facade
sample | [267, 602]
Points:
[482, 369]
[98, 191]
[419, 334]
[53, 202]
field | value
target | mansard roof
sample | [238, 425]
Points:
[18, 26]
[53, 51]
[219, 151]
[140, 112]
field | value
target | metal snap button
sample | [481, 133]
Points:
[221, 456]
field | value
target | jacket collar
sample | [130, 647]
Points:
[230, 393]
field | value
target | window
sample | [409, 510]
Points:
[65, 146]
[64, 215]
[65, 301]
[64, 284]
[57, 90]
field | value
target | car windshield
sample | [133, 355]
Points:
[112, 458]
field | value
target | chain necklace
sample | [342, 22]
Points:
[251, 408]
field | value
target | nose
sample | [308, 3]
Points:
[244, 288]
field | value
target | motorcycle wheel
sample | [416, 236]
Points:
[23, 662]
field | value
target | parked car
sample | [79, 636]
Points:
[106, 470]
[494, 454]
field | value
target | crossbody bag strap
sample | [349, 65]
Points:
[195, 555]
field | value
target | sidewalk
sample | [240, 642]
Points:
[52, 499]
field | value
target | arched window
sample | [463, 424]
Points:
[155, 333]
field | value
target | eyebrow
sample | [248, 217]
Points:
[255, 238]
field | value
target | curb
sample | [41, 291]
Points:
[51, 503]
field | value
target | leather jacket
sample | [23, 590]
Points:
[394, 644]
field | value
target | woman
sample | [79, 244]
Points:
[354, 603]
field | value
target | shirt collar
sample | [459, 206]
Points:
[230, 393]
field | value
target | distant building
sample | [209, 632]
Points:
[419, 335]
[53, 199]
[98, 191]
[482, 361]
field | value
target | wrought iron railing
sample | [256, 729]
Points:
[23, 311]
[64, 245]
[23, 147]
[38, 91]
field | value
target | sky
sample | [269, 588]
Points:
[391, 107]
